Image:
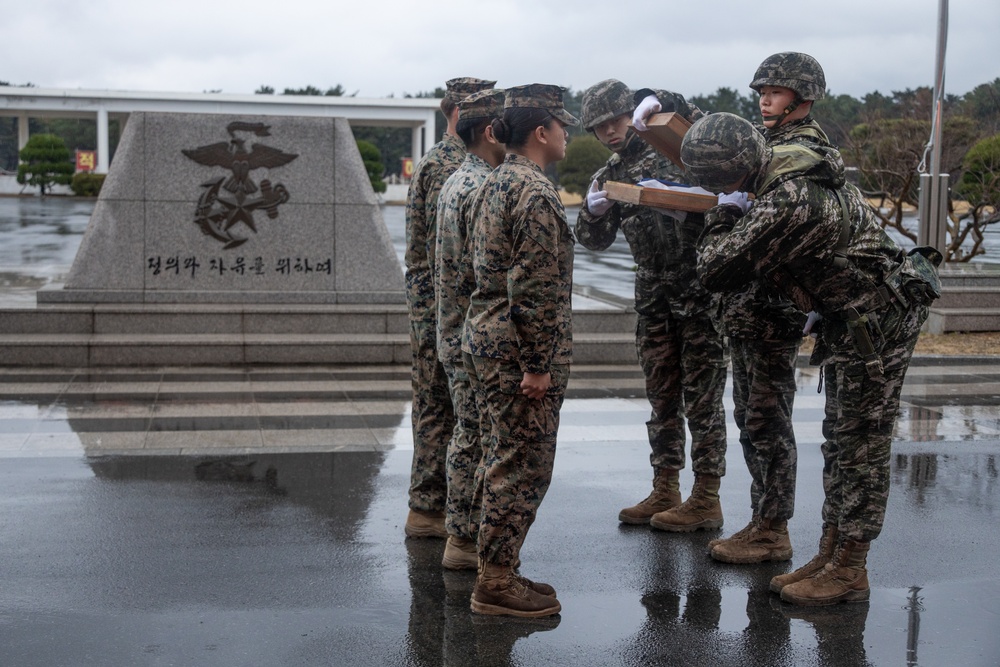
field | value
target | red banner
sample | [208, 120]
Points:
[86, 160]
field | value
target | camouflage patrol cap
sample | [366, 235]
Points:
[460, 88]
[798, 71]
[721, 148]
[539, 96]
[484, 104]
[606, 100]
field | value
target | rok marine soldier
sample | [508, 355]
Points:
[818, 241]
[678, 337]
[765, 332]
[433, 417]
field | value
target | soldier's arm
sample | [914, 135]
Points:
[789, 223]
[533, 282]
[415, 255]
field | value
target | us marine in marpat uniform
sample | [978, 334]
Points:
[433, 417]
[519, 333]
[454, 282]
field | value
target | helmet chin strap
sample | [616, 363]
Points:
[784, 114]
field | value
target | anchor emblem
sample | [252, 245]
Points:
[218, 212]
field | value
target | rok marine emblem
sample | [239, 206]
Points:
[229, 200]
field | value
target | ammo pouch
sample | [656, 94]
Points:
[920, 275]
[868, 340]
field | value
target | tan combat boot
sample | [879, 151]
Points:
[843, 579]
[460, 554]
[666, 494]
[425, 524]
[699, 512]
[827, 543]
[739, 534]
[768, 540]
[499, 592]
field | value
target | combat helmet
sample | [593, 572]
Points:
[604, 101]
[798, 71]
[720, 149]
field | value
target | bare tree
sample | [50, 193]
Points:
[888, 152]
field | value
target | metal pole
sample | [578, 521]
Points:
[934, 186]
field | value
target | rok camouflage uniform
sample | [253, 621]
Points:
[765, 332]
[679, 336]
[519, 321]
[819, 242]
[433, 417]
[454, 282]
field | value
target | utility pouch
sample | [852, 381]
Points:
[920, 275]
[868, 341]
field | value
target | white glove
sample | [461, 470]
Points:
[812, 318]
[739, 198]
[597, 200]
[646, 108]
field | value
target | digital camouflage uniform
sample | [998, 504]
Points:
[519, 321]
[857, 278]
[765, 332]
[455, 282]
[433, 417]
[679, 336]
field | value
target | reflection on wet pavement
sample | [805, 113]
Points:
[190, 411]
[275, 497]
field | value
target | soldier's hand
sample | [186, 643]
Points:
[740, 199]
[811, 319]
[597, 200]
[534, 385]
[646, 108]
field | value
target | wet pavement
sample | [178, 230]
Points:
[227, 516]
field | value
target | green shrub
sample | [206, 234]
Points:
[980, 182]
[372, 158]
[584, 156]
[45, 161]
[87, 184]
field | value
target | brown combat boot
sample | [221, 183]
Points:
[460, 554]
[699, 512]
[843, 579]
[499, 592]
[739, 534]
[536, 586]
[666, 494]
[425, 524]
[827, 543]
[768, 540]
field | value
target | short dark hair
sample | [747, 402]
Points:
[518, 123]
[447, 106]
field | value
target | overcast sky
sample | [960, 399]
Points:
[379, 48]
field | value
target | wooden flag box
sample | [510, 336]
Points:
[664, 132]
[679, 201]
